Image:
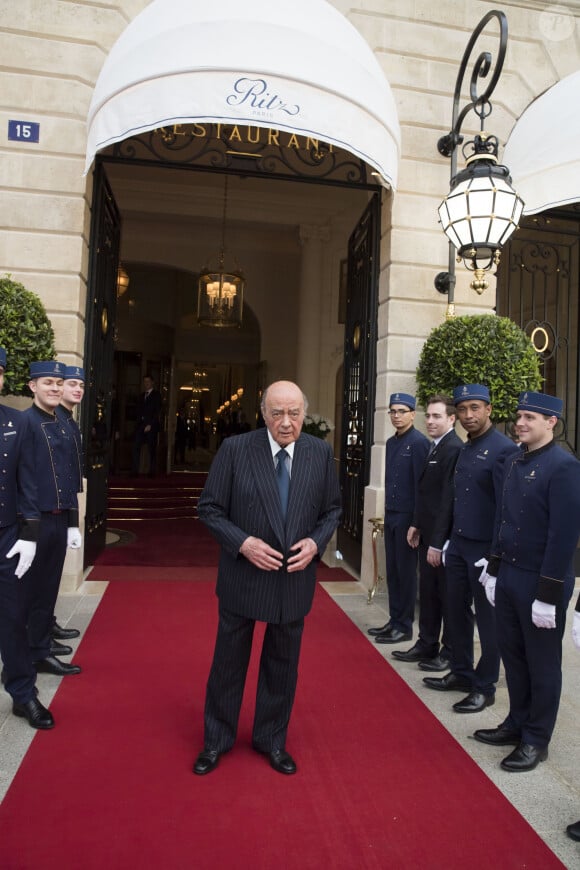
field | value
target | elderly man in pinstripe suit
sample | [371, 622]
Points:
[273, 514]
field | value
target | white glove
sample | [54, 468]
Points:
[26, 551]
[445, 545]
[543, 615]
[576, 629]
[490, 589]
[73, 538]
[482, 563]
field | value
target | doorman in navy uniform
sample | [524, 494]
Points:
[56, 474]
[72, 396]
[573, 830]
[430, 529]
[530, 579]
[272, 500]
[477, 483]
[19, 525]
[406, 453]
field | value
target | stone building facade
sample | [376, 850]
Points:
[53, 52]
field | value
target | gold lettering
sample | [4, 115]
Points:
[312, 143]
[202, 131]
[235, 134]
[273, 137]
[251, 139]
[293, 142]
[218, 129]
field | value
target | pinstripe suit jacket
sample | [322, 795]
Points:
[240, 498]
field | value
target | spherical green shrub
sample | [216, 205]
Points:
[479, 349]
[25, 332]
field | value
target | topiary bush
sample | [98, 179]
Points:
[25, 332]
[479, 349]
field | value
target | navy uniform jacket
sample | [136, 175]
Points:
[55, 459]
[240, 498]
[433, 514]
[404, 462]
[66, 417]
[477, 482]
[18, 496]
[538, 517]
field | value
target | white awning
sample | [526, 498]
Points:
[543, 150]
[293, 65]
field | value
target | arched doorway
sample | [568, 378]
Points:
[284, 123]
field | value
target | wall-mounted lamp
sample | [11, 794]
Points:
[482, 209]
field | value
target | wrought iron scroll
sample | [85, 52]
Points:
[249, 150]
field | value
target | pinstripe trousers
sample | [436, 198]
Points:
[278, 675]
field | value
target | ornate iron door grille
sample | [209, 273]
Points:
[359, 378]
[99, 351]
[538, 284]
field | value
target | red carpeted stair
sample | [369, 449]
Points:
[380, 784]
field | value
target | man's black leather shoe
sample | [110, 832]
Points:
[439, 663]
[52, 665]
[573, 831]
[525, 757]
[206, 761]
[499, 736]
[474, 703]
[380, 630]
[448, 683]
[281, 761]
[415, 654]
[64, 633]
[36, 714]
[393, 635]
[59, 649]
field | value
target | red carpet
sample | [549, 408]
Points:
[207, 573]
[380, 785]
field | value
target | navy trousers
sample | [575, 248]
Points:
[463, 591]
[278, 675]
[44, 580]
[401, 565]
[19, 673]
[532, 656]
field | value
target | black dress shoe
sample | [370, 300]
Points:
[573, 831]
[474, 703]
[500, 736]
[64, 633]
[525, 757]
[448, 683]
[393, 635]
[36, 714]
[415, 654]
[381, 630]
[281, 761]
[52, 665]
[206, 761]
[59, 649]
[439, 663]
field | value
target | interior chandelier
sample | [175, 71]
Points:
[220, 293]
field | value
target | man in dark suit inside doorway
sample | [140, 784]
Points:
[147, 422]
[272, 500]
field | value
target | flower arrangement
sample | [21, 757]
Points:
[316, 425]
